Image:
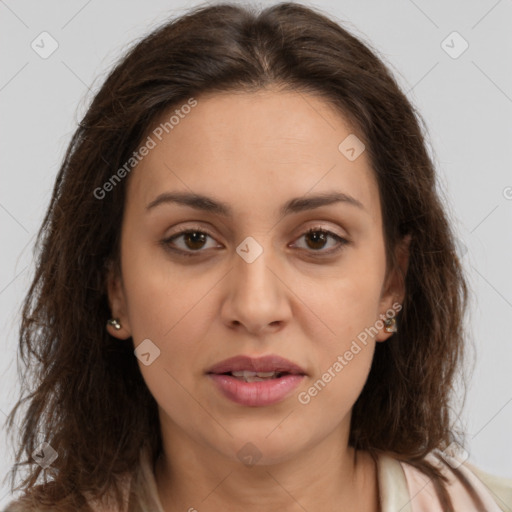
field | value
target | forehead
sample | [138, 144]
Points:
[253, 150]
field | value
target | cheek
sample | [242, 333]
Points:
[347, 301]
[331, 394]
[343, 357]
[161, 296]
[348, 307]
[171, 312]
[174, 315]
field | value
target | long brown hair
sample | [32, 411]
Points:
[89, 399]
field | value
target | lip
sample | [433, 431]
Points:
[269, 363]
[256, 394]
[259, 393]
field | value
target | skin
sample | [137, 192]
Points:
[255, 151]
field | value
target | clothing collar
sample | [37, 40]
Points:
[393, 489]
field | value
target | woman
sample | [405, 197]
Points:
[247, 294]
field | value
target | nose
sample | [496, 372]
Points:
[257, 297]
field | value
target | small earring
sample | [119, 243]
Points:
[390, 325]
[114, 322]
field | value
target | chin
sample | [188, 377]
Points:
[261, 444]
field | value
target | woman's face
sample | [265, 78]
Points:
[251, 281]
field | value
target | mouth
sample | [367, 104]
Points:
[249, 376]
[256, 382]
[270, 366]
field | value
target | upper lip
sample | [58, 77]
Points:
[270, 363]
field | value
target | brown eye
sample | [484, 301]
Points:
[317, 239]
[193, 241]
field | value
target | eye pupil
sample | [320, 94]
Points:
[196, 237]
[316, 236]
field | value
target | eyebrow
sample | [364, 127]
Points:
[211, 205]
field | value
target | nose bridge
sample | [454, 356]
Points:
[252, 273]
[254, 295]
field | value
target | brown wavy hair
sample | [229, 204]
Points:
[89, 400]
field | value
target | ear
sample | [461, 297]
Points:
[393, 291]
[117, 302]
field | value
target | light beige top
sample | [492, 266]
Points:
[402, 488]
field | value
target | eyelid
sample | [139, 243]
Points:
[341, 240]
[192, 229]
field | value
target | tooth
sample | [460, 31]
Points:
[250, 376]
[254, 379]
[243, 373]
[265, 374]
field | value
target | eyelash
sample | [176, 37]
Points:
[320, 253]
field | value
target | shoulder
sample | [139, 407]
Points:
[136, 482]
[26, 503]
[494, 492]
[23, 504]
[29, 503]
[499, 487]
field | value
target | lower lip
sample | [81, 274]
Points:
[256, 394]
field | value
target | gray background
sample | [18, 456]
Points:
[466, 102]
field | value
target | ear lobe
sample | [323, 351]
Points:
[394, 289]
[117, 303]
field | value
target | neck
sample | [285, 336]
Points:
[329, 476]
